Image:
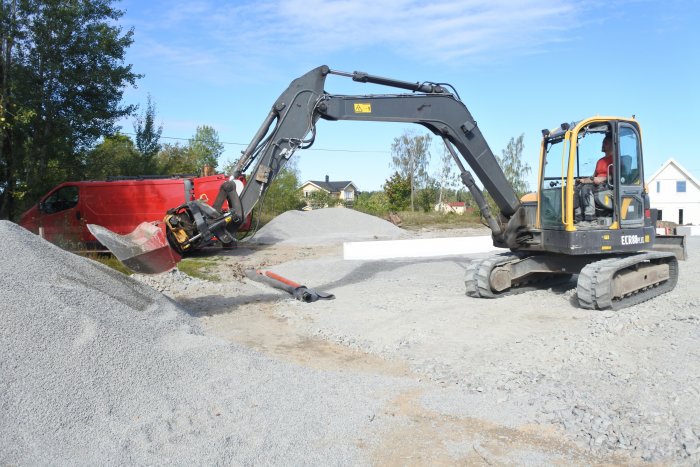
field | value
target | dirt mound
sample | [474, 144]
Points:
[325, 226]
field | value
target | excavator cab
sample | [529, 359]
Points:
[569, 156]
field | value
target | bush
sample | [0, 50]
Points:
[375, 203]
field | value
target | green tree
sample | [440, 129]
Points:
[205, 147]
[116, 155]
[63, 77]
[514, 168]
[147, 138]
[375, 203]
[321, 199]
[428, 195]
[448, 178]
[410, 155]
[283, 193]
[176, 159]
[398, 192]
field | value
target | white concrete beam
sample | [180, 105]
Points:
[419, 248]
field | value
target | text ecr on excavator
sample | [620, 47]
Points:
[618, 258]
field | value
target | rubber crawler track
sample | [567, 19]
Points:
[478, 273]
[594, 288]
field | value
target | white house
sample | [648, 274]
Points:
[675, 193]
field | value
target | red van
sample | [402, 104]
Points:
[119, 205]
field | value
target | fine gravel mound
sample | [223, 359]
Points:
[96, 369]
[325, 226]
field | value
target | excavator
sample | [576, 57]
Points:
[618, 258]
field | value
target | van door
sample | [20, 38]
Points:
[60, 216]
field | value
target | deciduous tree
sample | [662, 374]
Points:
[147, 138]
[63, 76]
[514, 168]
[398, 192]
[410, 155]
[206, 147]
[375, 203]
[116, 155]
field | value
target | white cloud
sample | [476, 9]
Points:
[434, 31]
[219, 37]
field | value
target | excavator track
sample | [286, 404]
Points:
[600, 285]
[478, 277]
[479, 271]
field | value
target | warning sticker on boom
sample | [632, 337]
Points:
[361, 108]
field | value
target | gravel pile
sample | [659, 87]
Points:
[325, 226]
[96, 368]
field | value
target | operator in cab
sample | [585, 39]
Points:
[601, 167]
[584, 212]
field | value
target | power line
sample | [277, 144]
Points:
[367, 151]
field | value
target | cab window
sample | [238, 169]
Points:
[630, 156]
[553, 177]
[589, 148]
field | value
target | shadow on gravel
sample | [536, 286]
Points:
[211, 305]
[218, 304]
[368, 270]
[560, 289]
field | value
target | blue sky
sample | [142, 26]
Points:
[519, 66]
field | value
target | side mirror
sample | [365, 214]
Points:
[42, 207]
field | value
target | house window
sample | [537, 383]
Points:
[659, 215]
[348, 195]
[658, 187]
[680, 186]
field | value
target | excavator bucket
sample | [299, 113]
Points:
[145, 250]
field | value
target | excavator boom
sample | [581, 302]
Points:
[294, 115]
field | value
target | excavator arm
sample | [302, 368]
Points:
[291, 125]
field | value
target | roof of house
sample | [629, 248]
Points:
[680, 168]
[457, 204]
[330, 186]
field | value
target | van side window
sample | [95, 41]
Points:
[60, 200]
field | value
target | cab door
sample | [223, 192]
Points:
[629, 178]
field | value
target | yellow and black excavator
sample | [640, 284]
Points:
[618, 259]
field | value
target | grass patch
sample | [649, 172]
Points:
[416, 220]
[200, 268]
[109, 261]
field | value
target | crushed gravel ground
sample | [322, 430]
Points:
[97, 368]
[401, 368]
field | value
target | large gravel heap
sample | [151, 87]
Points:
[96, 368]
[325, 226]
